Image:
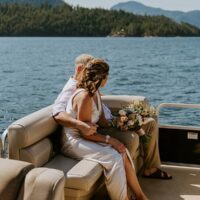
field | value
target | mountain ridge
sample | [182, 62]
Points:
[134, 7]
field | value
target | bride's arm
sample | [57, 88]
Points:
[83, 105]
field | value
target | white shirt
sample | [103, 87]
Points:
[60, 104]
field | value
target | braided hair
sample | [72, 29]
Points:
[92, 75]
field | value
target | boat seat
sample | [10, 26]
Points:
[21, 181]
[0, 148]
[36, 138]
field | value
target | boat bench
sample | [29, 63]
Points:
[1, 147]
[21, 181]
[36, 139]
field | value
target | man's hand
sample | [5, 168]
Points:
[64, 119]
[87, 129]
[117, 145]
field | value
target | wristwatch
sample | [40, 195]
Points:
[107, 138]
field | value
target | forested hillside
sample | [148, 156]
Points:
[137, 8]
[65, 20]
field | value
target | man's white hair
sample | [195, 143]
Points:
[83, 59]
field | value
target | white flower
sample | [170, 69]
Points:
[122, 112]
[139, 117]
[130, 123]
[123, 118]
[152, 110]
[136, 102]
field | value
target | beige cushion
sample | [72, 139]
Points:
[44, 184]
[76, 194]
[38, 153]
[68, 166]
[0, 147]
[29, 130]
[83, 175]
[80, 175]
[114, 102]
[12, 174]
[62, 163]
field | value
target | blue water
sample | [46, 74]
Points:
[34, 70]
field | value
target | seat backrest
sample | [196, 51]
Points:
[12, 175]
[28, 137]
[115, 102]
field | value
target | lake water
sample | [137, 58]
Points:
[34, 70]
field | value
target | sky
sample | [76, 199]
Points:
[181, 5]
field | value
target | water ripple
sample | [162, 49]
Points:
[162, 69]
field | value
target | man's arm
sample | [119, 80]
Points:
[106, 116]
[103, 122]
[84, 105]
[64, 119]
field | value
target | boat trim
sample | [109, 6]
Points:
[192, 128]
[177, 105]
[4, 140]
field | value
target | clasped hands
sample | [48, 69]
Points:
[88, 128]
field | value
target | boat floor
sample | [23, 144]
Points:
[185, 185]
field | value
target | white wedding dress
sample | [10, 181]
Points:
[80, 148]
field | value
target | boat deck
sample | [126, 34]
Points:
[185, 184]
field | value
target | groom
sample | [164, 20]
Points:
[151, 159]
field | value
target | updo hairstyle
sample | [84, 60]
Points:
[92, 75]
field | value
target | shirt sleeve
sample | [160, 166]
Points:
[60, 104]
[107, 112]
[62, 100]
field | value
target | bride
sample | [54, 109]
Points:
[85, 105]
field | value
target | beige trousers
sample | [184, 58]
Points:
[152, 156]
[149, 154]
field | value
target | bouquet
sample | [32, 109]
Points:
[144, 111]
[132, 118]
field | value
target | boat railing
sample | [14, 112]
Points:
[176, 105]
[4, 143]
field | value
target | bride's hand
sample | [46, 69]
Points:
[117, 145]
[88, 128]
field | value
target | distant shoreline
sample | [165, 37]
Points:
[100, 36]
[20, 20]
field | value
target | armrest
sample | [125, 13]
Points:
[29, 130]
[83, 175]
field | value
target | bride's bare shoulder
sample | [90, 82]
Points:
[82, 97]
